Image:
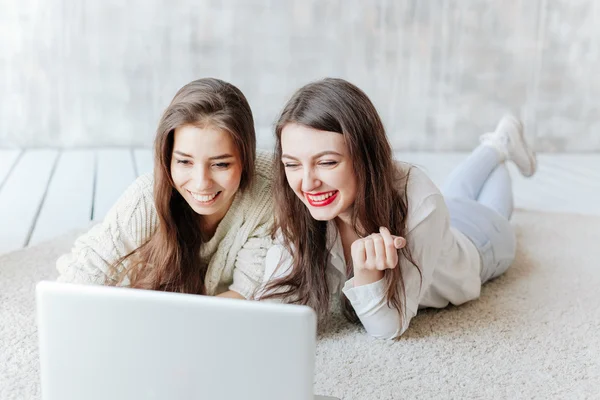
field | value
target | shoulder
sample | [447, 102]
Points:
[135, 211]
[254, 205]
[423, 196]
[142, 190]
[140, 194]
[261, 189]
[263, 165]
[144, 184]
[278, 261]
[419, 184]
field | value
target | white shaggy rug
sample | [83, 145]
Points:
[534, 333]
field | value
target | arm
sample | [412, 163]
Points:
[231, 294]
[250, 261]
[127, 225]
[278, 263]
[427, 240]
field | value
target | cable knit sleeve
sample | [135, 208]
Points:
[250, 261]
[129, 224]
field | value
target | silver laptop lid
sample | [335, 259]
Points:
[114, 343]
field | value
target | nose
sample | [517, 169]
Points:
[202, 179]
[310, 180]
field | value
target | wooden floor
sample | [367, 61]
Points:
[46, 192]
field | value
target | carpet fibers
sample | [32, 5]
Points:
[534, 333]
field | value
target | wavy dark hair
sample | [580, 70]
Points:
[170, 259]
[335, 105]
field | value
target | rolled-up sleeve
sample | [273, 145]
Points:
[129, 223]
[428, 228]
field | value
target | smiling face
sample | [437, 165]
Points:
[206, 169]
[319, 170]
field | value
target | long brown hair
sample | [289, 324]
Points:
[336, 105]
[170, 259]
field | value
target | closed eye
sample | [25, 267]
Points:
[223, 165]
[328, 163]
[184, 162]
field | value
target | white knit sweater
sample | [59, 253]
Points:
[235, 254]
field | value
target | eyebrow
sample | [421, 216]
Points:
[323, 153]
[220, 157]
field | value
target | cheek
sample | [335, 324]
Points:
[176, 175]
[294, 181]
[350, 194]
[347, 183]
[231, 179]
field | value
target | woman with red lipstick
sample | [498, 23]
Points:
[353, 222]
[201, 223]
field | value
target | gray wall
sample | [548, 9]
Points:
[77, 73]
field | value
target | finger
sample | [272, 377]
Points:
[370, 252]
[358, 254]
[388, 239]
[399, 242]
[380, 253]
[390, 248]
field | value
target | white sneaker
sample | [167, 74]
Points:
[508, 138]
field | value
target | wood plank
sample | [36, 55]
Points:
[565, 183]
[114, 173]
[7, 161]
[553, 188]
[143, 160]
[573, 172]
[22, 196]
[68, 203]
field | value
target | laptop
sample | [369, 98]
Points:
[99, 342]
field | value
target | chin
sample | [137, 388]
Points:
[203, 210]
[323, 216]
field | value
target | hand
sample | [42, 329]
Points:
[374, 254]
[231, 294]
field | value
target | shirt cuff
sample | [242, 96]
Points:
[243, 285]
[364, 298]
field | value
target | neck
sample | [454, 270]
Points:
[208, 226]
[346, 230]
[210, 223]
[347, 236]
[343, 223]
[344, 218]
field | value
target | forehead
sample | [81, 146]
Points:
[302, 141]
[200, 142]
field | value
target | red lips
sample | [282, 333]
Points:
[322, 203]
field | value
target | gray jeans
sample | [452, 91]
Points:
[479, 197]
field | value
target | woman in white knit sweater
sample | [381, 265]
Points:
[201, 224]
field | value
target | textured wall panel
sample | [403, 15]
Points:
[94, 73]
